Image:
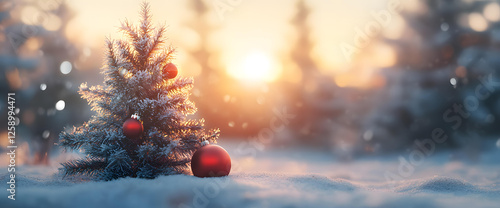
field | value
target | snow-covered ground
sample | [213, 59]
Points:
[287, 178]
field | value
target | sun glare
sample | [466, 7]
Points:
[256, 66]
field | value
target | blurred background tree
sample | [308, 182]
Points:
[444, 53]
[327, 115]
[36, 63]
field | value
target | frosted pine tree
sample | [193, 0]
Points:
[135, 84]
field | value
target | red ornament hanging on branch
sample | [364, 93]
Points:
[170, 71]
[210, 161]
[132, 128]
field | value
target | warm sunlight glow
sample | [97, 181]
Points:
[257, 66]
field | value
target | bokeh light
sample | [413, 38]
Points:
[477, 22]
[46, 134]
[60, 105]
[65, 67]
[492, 12]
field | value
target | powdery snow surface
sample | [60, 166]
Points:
[280, 179]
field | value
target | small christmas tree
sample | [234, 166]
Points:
[138, 81]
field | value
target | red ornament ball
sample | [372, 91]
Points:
[170, 71]
[132, 128]
[211, 161]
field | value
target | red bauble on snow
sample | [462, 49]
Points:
[211, 161]
[132, 128]
[170, 71]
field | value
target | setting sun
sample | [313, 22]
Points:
[256, 66]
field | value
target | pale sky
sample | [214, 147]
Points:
[250, 25]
